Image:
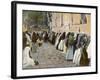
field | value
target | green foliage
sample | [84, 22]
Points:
[37, 16]
[33, 17]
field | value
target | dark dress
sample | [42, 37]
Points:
[84, 58]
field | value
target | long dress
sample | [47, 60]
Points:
[89, 51]
[28, 39]
[64, 48]
[69, 54]
[77, 56]
[27, 61]
[81, 57]
[61, 45]
[57, 40]
[84, 58]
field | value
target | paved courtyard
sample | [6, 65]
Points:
[49, 57]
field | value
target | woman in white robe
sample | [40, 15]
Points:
[27, 61]
[28, 39]
[89, 51]
[77, 56]
[61, 45]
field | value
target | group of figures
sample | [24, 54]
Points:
[75, 46]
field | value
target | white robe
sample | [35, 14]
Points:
[61, 45]
[57, 40]
[77, 56]
[28, 39]
[89, 51]
[64, 48]
[26, 59]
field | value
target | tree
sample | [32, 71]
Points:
[33, 18]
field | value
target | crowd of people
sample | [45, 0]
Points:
[74, 45]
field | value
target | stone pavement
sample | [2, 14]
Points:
[49, 57]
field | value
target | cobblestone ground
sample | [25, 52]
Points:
[49, 57]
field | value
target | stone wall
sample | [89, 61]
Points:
[65, 22]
